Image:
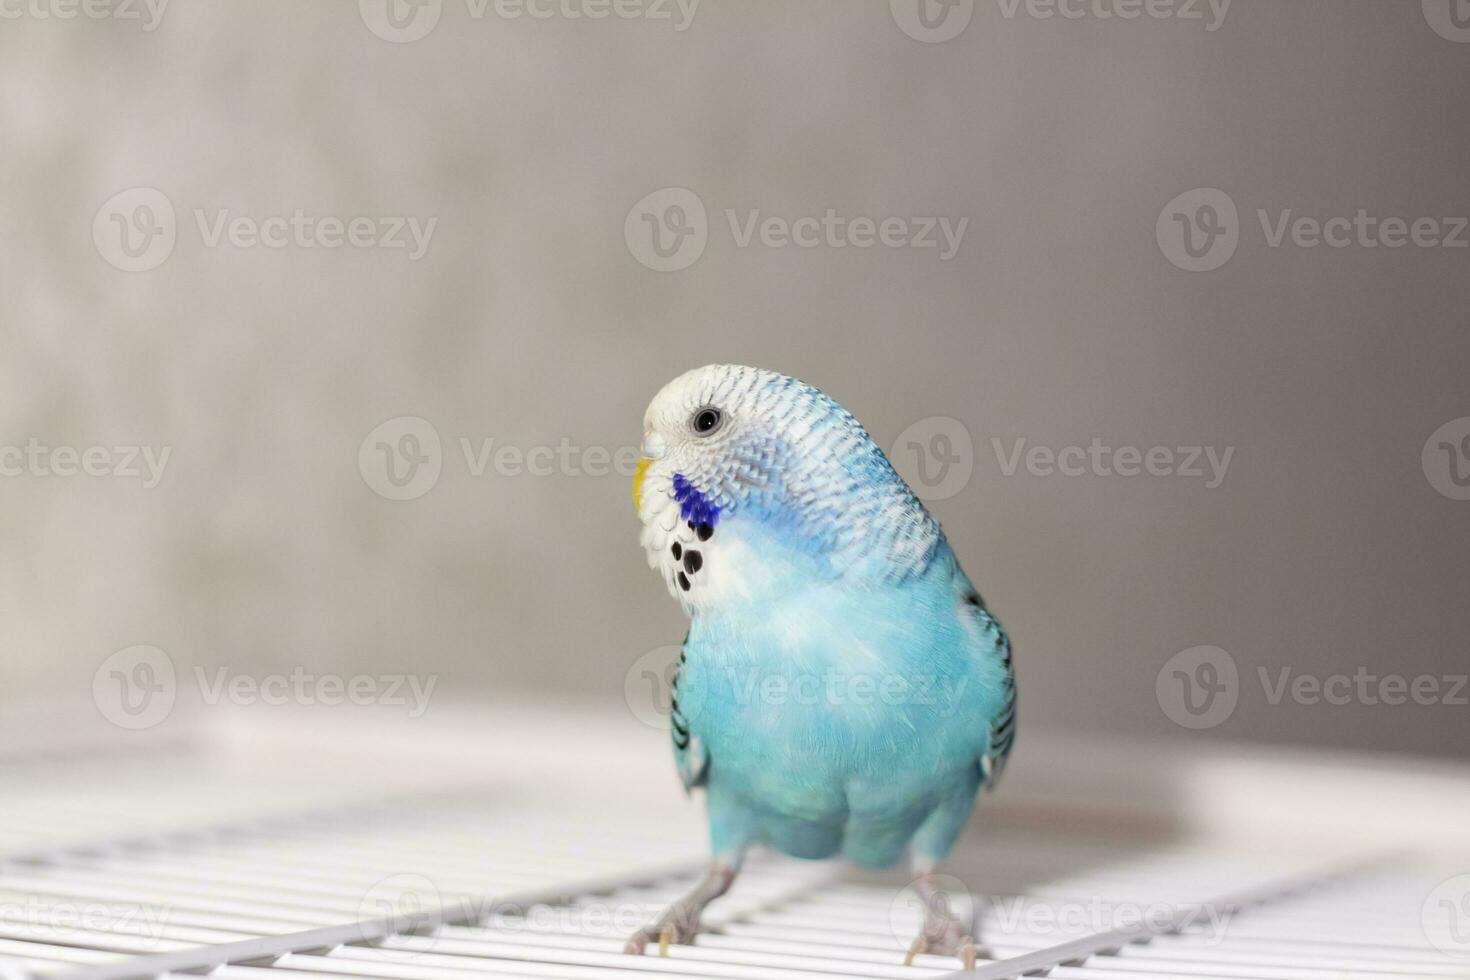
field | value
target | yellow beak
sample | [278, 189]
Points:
[639, 468]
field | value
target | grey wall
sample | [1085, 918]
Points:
[1326, 548]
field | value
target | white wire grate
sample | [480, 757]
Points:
[449, 888]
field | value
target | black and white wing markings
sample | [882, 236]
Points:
[1003, 728]
[689, 755]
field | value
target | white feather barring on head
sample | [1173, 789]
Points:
[776, 456]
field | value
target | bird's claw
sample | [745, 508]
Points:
[964, 949]
[666, 934]
[945, 937]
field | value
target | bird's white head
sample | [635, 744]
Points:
[737, 459]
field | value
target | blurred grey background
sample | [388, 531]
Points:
[1331, 546]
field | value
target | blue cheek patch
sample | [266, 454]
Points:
[694, 507]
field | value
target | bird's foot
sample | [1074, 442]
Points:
[680, 923]
[951, 941]
[678, 926]
[944, 933]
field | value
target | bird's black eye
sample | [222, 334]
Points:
[706, 421]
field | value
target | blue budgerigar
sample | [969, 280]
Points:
[843, 687]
